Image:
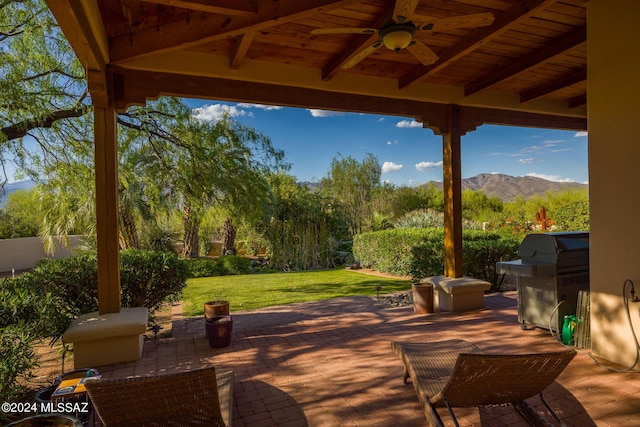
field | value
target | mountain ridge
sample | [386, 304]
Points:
[507, 187]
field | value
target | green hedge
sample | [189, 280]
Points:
[42, 303]
[147, 279]
[419, 252]
[223, 266]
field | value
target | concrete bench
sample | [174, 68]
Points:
[109, 338]
[458, 294]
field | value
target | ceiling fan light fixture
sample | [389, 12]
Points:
[397, 37]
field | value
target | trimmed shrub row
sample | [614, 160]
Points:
[42, 303]
[223, 266]
[419, 252]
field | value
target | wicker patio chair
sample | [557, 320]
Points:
[194, 398]
[456, 374]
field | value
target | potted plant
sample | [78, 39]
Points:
[216, 308]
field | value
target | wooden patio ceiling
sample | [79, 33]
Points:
[517, 62]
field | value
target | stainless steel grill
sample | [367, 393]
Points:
[553, 268]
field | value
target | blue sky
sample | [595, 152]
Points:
[409, 154]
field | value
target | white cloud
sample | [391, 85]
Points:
[551, 142]
[324, 113]
[423, 166]
[260, 106]
[527, 160]
[391, 167]
[213, 113]
[581, 134]
[380, 119]
[394, 142]
[408, 124]
[554, 178]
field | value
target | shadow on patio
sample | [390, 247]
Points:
[329, 363]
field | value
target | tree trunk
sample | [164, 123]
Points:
[228, 237]
[129, 238]
[191, 224]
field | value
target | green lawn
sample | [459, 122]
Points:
[263, 290]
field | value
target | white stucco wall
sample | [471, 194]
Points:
[613, 96]
[22, 254]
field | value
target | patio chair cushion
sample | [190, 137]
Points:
[458, 293]
[194, 398]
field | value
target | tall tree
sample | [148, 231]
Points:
[353, 184]
[42, 84]
[222, 163]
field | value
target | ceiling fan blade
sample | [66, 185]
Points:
[464, 21]
[344, 31]
[422, 53]
[353, 61]
[403, 10]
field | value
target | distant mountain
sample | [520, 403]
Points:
[12, 188]
[507, 187]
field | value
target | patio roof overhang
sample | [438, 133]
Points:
[526, 67]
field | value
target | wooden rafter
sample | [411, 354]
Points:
[574, 77]
[504, 22]
[221, 7]
[90, 44]
[578, 101]
[568, 42]
[360, 43]
[206, 28]
[240, 49]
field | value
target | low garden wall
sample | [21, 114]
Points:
[24, 253]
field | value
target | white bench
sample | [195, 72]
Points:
[458, 294]
[109, 338]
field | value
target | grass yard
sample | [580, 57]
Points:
[263, 290]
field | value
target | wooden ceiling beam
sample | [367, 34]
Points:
[85, 32]
[494, 116]
[206, 28]
[220, 7]
[506, 20]
[530, 61]
[240, 49]
[574, 77]
[135, 87]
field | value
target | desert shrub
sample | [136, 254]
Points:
[203, 267]
[150, 278]
[421, 218]
[481, 255]
[234, 264]
[16, 361]
[27, 312]
[223, 266]
[147, 279]
[73, 279]
[430, 218]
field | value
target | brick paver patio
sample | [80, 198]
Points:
[329, 363]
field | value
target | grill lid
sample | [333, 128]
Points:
[549, 246]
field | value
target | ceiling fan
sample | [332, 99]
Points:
[397, 31]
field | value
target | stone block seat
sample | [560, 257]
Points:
[458, 294]
[108, 338]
